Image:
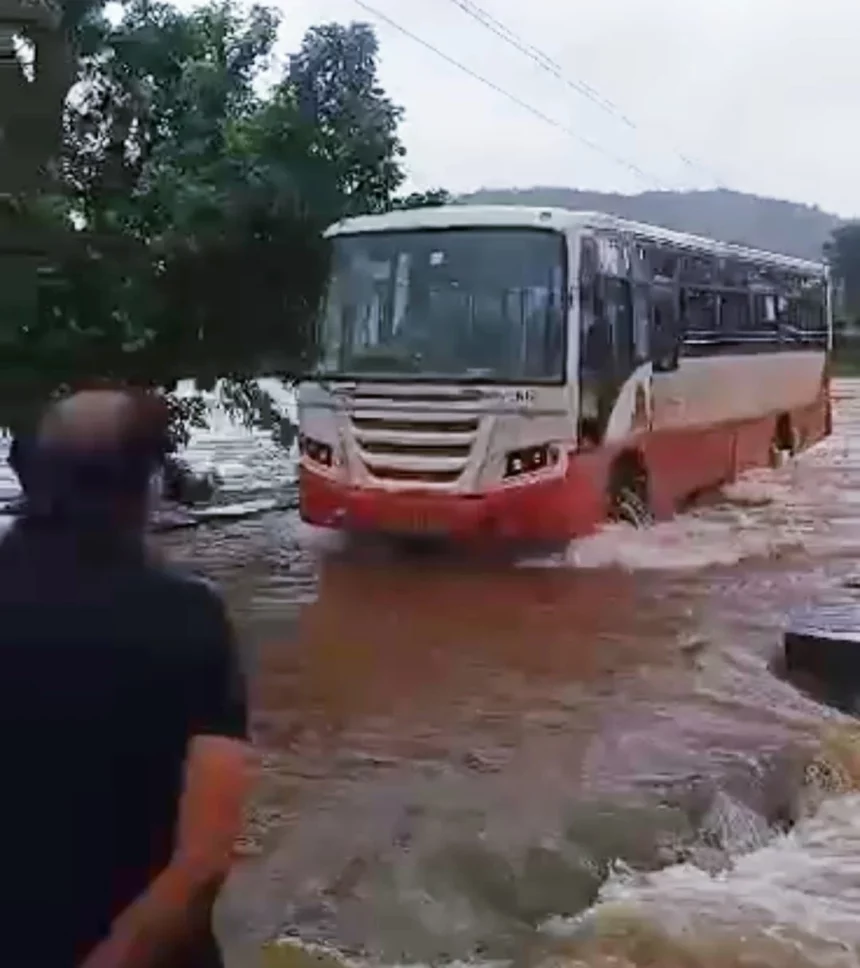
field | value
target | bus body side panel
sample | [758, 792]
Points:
[726, 400]
[717, 416]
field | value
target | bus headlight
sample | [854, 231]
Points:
[315, 450]
[530, 459]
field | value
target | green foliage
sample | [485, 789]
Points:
[333, 85]
[435, 198]
[843, 254]
[183, 236]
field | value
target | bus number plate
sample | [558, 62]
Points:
[415, 522]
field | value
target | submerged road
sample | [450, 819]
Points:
[584, 759]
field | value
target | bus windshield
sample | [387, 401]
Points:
[485, 305]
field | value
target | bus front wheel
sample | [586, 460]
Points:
[628, 493]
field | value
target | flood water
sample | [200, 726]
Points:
[579, 760]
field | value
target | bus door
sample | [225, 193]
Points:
[666, 334]
[611, 343]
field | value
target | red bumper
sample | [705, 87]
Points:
[548, 510]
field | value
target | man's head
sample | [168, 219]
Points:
[94, 456]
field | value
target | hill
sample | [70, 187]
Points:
[763, 223]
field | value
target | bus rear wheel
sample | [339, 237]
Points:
[785, 443]
[628, 493]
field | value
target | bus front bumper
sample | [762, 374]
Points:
[553, 509]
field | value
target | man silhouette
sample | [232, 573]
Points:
[123, 745]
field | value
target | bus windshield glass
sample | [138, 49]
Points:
[482, 305]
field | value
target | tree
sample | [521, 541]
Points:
[333, 80]
[435, 198]
[187, 214]
[843, 254]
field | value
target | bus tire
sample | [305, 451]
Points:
[629, 501]
[785, 442]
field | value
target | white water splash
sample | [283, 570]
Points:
[686, 543]
[802, 891]
[765, 514]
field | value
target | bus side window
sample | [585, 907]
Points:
[587, 263]
[597, 336]
[811, 317]
[586, 323]
[819, 314]
[735, 319]
[765, 313]
[790, 321]
[665, 330]
[555, 326]
[592, 342]
[641, 323]
[700, 312]
[783, 314]
[619, 320]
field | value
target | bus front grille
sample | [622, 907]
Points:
[419, 447]
[415, 476]
[420, 423]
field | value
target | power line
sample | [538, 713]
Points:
[496, 27]
[624, 163]
[493, 24]
[487, 20]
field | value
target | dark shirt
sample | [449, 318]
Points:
[109, 665]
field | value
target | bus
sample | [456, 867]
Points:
[513, 373]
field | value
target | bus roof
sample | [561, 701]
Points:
[557, 219]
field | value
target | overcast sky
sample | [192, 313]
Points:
[758, 95]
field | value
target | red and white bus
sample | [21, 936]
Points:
[516, 373]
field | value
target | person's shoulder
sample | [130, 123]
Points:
[189, 608]
[189, 587]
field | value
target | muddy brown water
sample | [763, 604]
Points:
[584, 759]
